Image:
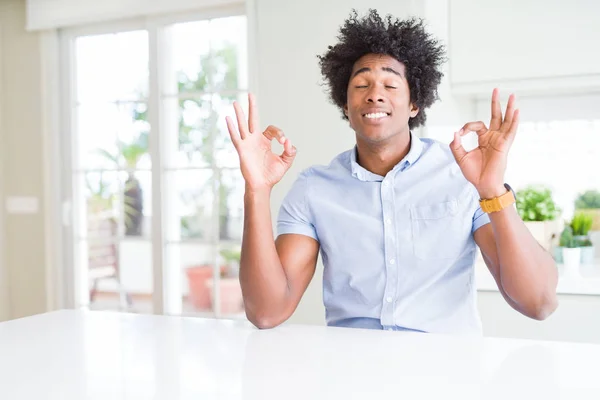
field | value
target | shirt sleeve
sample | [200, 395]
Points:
[480, 218]
[294, 213]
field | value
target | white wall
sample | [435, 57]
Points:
[528, 45]
[22, 160]
[523, 39]
[4, 285]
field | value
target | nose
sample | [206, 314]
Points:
[374, 96]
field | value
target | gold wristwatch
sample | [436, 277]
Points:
[498, 203]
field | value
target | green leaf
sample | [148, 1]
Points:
[535, 203]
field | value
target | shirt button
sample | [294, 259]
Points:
[389, 299]
[392, 261]
[388, 221]
[385, 184]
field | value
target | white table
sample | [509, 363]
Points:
[75, 355]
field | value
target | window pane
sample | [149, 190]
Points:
[228, 47]
[136, 194]
[225, 154]
[196, 262]
[191, 124]
[230, 291]
[133, 132]
[191, 61]
[123, 197]
[120, 274]
[189, 198]
[112, 67]
[113, 136]
[97, 136]
[208, 56]
[100, 201]
[231, 205]
[532, 163]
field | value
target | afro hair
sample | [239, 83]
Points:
[405, 40]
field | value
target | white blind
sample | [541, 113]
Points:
[51, 14]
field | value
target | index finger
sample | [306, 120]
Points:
[252, 114]
[496, 121]
[477, 127]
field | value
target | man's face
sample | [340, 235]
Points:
[378, 103]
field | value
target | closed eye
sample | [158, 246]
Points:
[391, 87]
[360, 87]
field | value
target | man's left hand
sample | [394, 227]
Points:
[484, 166]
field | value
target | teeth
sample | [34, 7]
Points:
[376, 115]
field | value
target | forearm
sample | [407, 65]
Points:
[527, 272]
[262, 277]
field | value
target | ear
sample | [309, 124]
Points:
[346, 110]
[414, 110]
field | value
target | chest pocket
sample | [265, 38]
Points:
[439, 231]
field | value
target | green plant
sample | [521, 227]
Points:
[231, 255]
[232, 258]
[581, 224]
[583, 242]
[128, 154]
[588, 199]
[566, 238]
[535, 203]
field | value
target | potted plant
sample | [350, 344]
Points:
[581, 225]
[201, 284]
[539, 212]
[571, 254]
[589, 203]
[198, 278]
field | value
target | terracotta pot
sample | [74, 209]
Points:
[199, 293]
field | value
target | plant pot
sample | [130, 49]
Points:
[595, 238]
[557, 253]
[571, 260]
[199, 294]
[588, 253]
[232, 301]
[542, 231]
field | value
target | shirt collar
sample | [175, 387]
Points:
[416, 148]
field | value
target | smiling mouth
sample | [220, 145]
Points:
[376, 116]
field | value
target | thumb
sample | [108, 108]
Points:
[289, 152]
[457, 148]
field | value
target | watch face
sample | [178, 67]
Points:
[507, 186]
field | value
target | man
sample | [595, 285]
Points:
[397, 218]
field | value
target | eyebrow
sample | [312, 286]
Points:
[386, 69]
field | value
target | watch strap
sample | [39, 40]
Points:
[498, 203]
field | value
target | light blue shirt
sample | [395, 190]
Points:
[398, 251]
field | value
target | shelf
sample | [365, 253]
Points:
[587, 282]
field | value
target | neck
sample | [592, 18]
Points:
[380, 158]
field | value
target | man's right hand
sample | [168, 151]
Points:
[261, 168]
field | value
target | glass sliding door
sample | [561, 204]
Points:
[150, 151]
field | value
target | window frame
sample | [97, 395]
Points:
[74, 281]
